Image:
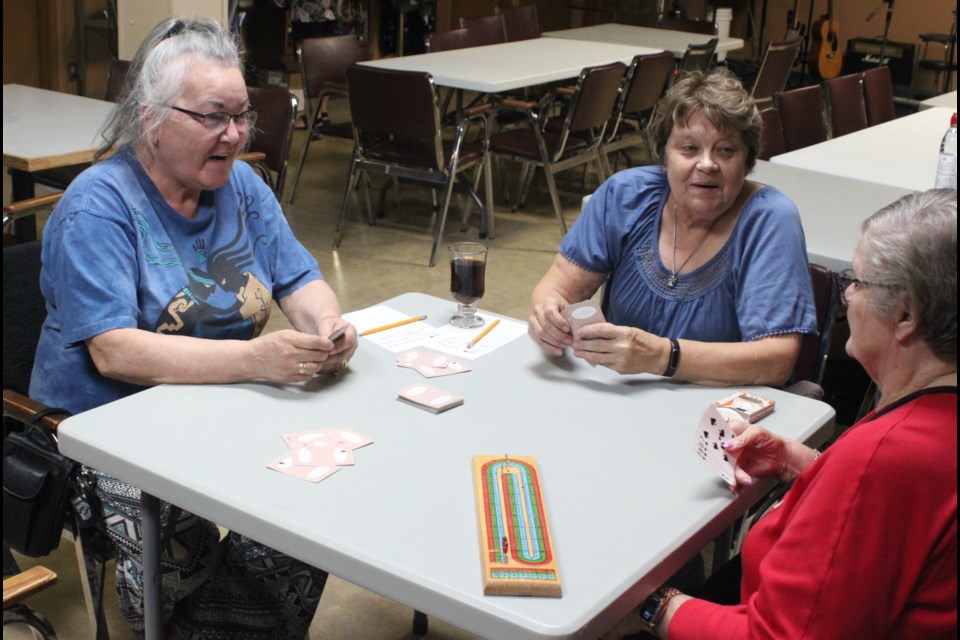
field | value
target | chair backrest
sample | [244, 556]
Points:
[274, 132]
[646, 81]
[814, 347]
[697, 57]
[877, 86]
[687, 24]
[24, 311]
[448, 40]
[115, 79]
[802, 115]
[775, 68]
[326, 60]
[520, 23]
[845, 105]
[485, 30]
[772, 142]
[378, 112]
[596, 94]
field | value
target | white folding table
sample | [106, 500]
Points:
[675, 42]
[628, 500]
[899, 153]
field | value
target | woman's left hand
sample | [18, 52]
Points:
[623, 349]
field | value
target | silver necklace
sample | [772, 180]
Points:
[672, 279]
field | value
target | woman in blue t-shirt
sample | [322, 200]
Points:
[161, 264]
[706, 272]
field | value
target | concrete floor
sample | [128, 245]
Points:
[372, 264]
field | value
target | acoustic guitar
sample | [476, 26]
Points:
[829, 61]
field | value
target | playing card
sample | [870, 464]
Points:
[414, 357]
[712, 432]
[285, 464]
[583, 313]
[453, 368]
[429, 397]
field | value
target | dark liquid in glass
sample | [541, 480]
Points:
[466, 279]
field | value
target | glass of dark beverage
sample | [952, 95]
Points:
[468, 262]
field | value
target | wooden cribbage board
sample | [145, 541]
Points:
[516, 547]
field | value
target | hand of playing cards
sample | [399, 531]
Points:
[713, 430]
[319, 453]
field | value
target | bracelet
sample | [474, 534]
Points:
[674, 360]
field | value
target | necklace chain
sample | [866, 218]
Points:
[672, 279]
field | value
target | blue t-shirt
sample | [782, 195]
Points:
[757, 285]
[116, 255]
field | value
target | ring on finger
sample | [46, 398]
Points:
[339, 370]
[302, 368]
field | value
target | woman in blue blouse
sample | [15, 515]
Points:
[706, 272]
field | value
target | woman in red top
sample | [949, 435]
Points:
[864, 544]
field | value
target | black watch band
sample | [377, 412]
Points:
[674, 360]
[653, 609]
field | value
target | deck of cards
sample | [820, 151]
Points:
[581, 314]
[747, 406]
[429, 397]
[318, 453]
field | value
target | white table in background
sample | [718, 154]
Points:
[513, 65]
[628, 500]
[831, 208]
[946, 100]
[900, 153]
[675, 42]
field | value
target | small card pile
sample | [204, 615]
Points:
[318, 453]
[431, 364]
[748, 406]
[428, 397]
[581, 314]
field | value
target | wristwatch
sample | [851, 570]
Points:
[655, 606]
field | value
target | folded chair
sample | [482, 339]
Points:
[578, 140]
[802, 114]
[404, 139]
[697, 57]
[646, 80]
[520, 23]
[877, 86]
[485, 30]
[269, 148]
[24, 311]
[324, 62]
[845, 109]
[772, 143]
[775, 69]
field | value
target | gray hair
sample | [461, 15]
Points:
[154, 80]
[718, 95]
[911, 245]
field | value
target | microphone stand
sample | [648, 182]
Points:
[886, 32]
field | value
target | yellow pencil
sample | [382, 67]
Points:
[483, 333]
[394, 325]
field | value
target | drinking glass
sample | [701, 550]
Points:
[468, 262]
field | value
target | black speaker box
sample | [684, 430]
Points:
[864, 53]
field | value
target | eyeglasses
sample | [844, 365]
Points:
[220, 120]
[846, 278]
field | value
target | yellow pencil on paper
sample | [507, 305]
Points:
[394, 325]
[483, 333]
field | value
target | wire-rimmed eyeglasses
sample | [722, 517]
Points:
[220, 120]
[846, 278]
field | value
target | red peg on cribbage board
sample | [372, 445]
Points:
[516, 547]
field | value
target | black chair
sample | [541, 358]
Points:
[802, 114]
[24, 311]
[404, 139]
[846, 112]
[269, 148]
[775, 70]
[698, 57]
[877, 86]
[324, 62]
[772, 142]
[520, 23]
[448, 40]
[814, 349]
[646, 81]
[485, 30]
[577, 141]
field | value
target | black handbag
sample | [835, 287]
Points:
[38, 484]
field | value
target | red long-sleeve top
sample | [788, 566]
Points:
[864, 545]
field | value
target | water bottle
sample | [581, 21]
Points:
[947, 164]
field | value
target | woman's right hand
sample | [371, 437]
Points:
[548, 327]
[288, 356]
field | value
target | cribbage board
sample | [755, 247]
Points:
[515, 543]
